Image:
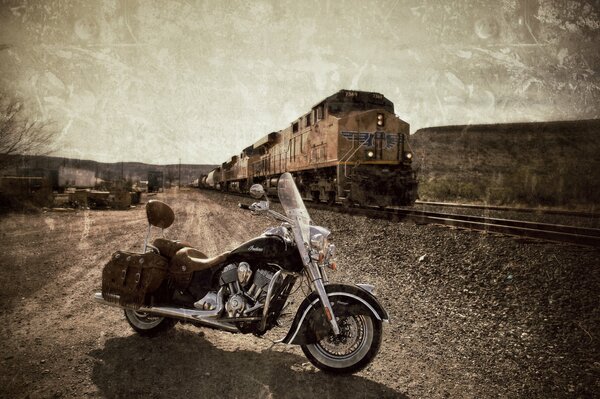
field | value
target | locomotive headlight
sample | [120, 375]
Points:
[408, 155]
[380, 120]
[370, 154]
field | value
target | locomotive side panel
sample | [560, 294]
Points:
[324, 142]
[315, 145]
[264, 162]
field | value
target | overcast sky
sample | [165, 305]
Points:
[200, 80]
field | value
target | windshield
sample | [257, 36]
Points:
[294, 207]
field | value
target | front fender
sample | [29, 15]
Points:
[310, 325]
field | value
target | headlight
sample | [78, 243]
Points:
[380, 120]
[408, 155]
[317, 241]
[370, 154]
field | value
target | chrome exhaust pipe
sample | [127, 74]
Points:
[206, 317]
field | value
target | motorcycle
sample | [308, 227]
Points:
[246, 290]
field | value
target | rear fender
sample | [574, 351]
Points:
[310, 325]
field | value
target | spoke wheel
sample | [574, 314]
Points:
[351, 350]
[148, 325]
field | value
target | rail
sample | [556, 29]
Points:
[543, 211]
[552, 232]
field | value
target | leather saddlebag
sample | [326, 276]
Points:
[128, 277]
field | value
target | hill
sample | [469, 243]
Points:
[533, 164]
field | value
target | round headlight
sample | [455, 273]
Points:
[317, 241]
[370, 154]
[408, 155]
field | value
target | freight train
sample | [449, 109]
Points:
[349, 148]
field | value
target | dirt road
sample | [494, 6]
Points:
[474, 329]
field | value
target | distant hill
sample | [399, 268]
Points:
[132, 171]
[543, 163]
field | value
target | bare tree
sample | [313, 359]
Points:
[19, 133]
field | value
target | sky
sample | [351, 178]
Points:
[197, 81]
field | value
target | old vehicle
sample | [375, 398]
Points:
[338, 326]
[350, 148]
[155, 181]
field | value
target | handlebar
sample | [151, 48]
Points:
[255, 208]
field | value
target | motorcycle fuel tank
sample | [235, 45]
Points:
[271, 249]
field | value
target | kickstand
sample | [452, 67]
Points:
[273, 343]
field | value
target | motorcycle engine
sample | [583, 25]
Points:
[244, 298]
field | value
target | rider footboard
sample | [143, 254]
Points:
[128, 277]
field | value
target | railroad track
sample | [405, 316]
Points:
[544, 231]
[510, 209]
[519, 228]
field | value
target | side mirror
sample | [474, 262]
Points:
[159, 214]
[257, 191]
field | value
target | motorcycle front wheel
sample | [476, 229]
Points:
[148, 325]
[350, 351]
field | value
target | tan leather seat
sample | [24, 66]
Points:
[168, 248]
[188, 260]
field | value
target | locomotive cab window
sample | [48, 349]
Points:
[319, 112]
[307, 119]
[295, 127]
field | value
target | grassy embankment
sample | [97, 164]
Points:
[555, 164]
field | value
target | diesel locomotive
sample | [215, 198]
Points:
[350, 148]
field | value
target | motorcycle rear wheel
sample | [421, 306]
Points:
[352, 350]
[147, 325]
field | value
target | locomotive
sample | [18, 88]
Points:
[349, 148]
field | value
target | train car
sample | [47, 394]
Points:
[235, 174]
[349, 147]
[202, 181]
[213, 180]
[269, 161]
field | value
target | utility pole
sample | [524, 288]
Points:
[179, 181]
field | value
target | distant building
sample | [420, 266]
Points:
[75, 177]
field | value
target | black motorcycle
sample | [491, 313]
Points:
[338, 326]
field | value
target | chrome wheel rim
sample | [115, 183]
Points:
[352, 339]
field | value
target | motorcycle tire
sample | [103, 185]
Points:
[352, 350]
[146, 325]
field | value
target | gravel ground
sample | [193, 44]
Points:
[490, 316]
[473, 315]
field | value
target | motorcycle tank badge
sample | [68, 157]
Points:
[245, 290]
